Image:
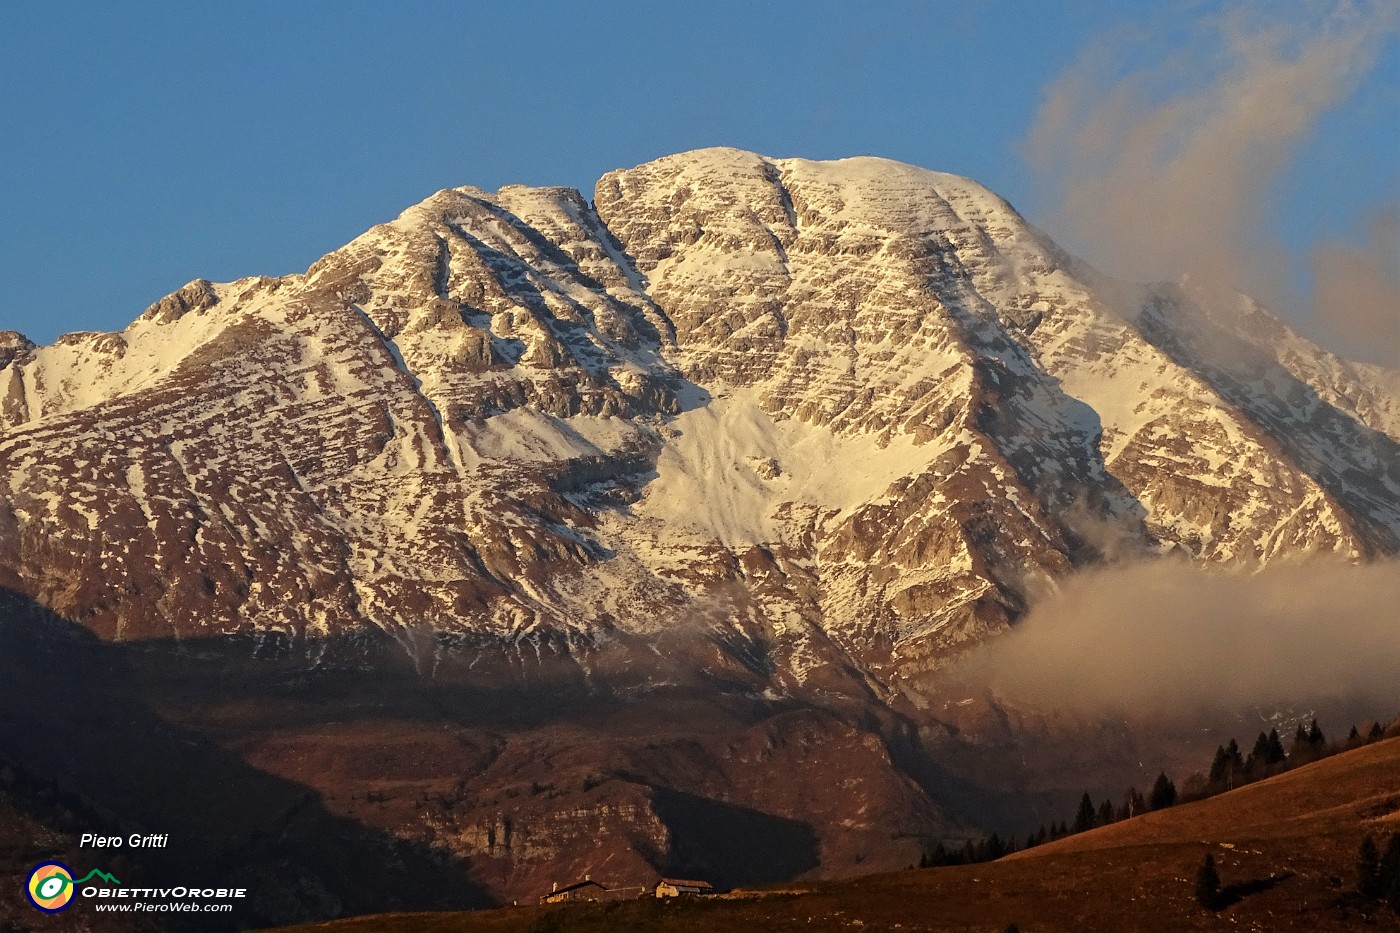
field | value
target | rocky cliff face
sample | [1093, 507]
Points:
[835, 414]
[802, 429]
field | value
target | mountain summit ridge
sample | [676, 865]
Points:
[833, 415]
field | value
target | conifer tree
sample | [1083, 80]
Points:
[1106, 814]
[1234, 765]
[1276, 754]
[1084, 818]
[1368, 868]
[1260, 752]
[1233, 750]
[1301, 746]
[1208, 884]
[1227, 767]
[1315, 737]
[1353, 738]
[1218, 764]
[1163, 793]
[1376, 732]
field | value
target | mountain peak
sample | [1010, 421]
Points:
[859, 404]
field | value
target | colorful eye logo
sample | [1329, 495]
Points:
[50, 887]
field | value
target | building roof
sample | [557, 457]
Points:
[573, 887]
[683, 883]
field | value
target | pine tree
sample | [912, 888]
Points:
[1300, 747]
[1353, 738]
[1276, 754]
[1084, 818]
[1260, 752]
[1106, 814]
[1376, 732]
[1218, 765]
[1315, 737]
[1208, 884]
[1227, 767]
[1163, 793]
[1234, 769]
[1368, 868]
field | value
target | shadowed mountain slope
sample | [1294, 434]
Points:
[1285, 849]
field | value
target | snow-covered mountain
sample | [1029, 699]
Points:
[830, 419]
[528, 537]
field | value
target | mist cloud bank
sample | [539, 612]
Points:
[1166, 637]
[1161, 161]
[1357, 292]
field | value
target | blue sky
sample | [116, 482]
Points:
[146, 144]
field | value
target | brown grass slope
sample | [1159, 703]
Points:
[1285, 848]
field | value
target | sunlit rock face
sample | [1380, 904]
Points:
[820, 423]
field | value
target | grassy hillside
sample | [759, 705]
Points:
[1285, 849]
